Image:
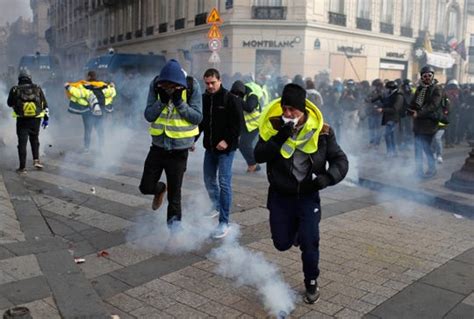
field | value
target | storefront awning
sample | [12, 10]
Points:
[440, 60]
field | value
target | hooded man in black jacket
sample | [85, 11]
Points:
[221, 126]
[296, 145]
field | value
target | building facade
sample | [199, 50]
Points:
[359, 39]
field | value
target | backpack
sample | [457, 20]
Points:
[443, 110]
[28, 102]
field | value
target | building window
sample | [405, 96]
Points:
[425, 15]
[268, 10]
[407, 12]
[453, 20]
[163, 17]
[337, 6]
[201, 6]
[441, 16]
[363, 9]
[268, 3]
[179, 9]
[387, 11]
[363, 20]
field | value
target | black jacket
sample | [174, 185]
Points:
[14, 99]
[222, 118]
[392, 107]
[279, 169]
[426, 121]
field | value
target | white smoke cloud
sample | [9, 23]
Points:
[248, 268]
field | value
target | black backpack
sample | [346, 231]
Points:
[28, 102]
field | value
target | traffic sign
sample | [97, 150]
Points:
[215, 45]
[214, 17]
[214, 32]
[214, 58]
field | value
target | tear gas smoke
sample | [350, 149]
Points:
[248, 268]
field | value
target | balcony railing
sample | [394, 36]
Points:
[138, 33]
[200, 18]
[386, 27]
[337, 18]
[120, 37]
[364, 24]
[268, 13]
[150, 30]
[179, 23]
[163, 27]
[439, 37]
[112, 39]
[406, 32]
[128, 36]
[105, 41]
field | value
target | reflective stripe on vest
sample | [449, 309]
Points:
[40, 115]
[290, 145]
[172, 124]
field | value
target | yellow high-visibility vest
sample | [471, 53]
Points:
[252, 118]
[307, 138]
[172, 124]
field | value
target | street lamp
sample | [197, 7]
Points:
[463, 179]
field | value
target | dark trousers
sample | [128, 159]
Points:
[92, 121]
[293, 215]
[247, 143]
[174, 164]
[27, 128]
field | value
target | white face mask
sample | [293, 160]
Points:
[288, 120]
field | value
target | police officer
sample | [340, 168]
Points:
[174, 124]
[29, 107]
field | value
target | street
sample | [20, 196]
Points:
[382, 256]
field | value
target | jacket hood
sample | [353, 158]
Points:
[238, 88]
[172, 72]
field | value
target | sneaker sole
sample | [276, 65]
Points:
[220, 235]
[309, 302]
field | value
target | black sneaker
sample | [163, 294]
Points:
[311, 294]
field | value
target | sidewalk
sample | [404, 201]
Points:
[380, 255]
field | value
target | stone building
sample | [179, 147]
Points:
[359, 39]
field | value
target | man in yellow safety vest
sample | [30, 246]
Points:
[174, 122]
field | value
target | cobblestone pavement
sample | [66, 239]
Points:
[377, 251]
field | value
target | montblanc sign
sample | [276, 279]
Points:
[271, 43]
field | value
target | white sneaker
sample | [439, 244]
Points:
[221, 231]
[440, 160]
[212, 214]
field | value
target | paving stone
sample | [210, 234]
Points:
[126, 255]
[27, 290]
[469, 299]
[251, 307]
[21, 267]
[157, 300]
[223, 297]
[116, 311]
[162, 286]
[4, 303]
[125, 302]
[418, 301]
[454, 275]
[348, 314]
[5, 278]
[151, 313]
[352, 303]
[316, 315]
[36, 246]
[467, 257]
[325, 307]
[41, 309]
[95, 266]
[182, 311]
[189, 298]
[346, 290]
[461, 310]
[218, 310]
[107, 286]
[73, 294]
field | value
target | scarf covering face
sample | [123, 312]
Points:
[307, 138]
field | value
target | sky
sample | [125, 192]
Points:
[12, 9]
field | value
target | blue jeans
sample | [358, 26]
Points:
[247, 143]
[423, 145]
[438, 143]
[297, 215]
[390, 137]
[219, 165]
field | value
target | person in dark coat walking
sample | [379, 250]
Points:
[423, 109]
[297, 146]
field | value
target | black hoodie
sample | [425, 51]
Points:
[221, 120]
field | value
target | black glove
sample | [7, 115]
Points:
[177, 96]
[164, 97]
[322, 181]
[285, 131]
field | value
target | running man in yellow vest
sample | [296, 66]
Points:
[174, 119]
[297, 146]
